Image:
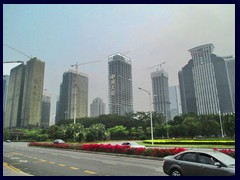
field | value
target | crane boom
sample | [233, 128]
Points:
[17, 50]
[158, 65]
[13, 62]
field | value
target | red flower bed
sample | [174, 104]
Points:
[156, 152]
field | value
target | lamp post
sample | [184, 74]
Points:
[221, 123]
[150, 111]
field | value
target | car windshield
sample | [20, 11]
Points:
[224, 158]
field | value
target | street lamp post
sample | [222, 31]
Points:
[221, 123]
[150, 111]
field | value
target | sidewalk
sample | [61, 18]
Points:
[9, 170]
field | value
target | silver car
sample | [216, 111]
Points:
[199, 163]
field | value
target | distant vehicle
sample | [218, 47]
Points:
[132, 144]
[199, 163]
[8, 141]
[58, 141]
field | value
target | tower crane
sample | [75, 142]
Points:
[14, 62]
[17, 51]
[158, 65]
[79, 64]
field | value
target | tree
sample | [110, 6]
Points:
[97, 132]
[118, 132]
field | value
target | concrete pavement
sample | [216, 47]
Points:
[9, 170]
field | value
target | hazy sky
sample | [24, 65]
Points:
[61, 35]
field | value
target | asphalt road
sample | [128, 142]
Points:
[55, 162]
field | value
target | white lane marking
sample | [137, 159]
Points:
[109, 162]
[23, 161]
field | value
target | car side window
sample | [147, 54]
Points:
[206, 159]
[191, 157]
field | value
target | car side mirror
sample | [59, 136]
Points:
[217, 164]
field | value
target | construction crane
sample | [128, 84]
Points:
[17, 50]
[13, 62]
[79, 64]
[158, 65]
[75, 91]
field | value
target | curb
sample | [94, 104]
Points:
[14, 170]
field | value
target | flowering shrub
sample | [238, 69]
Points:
[156, 152]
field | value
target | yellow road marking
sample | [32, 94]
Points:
[74, 168]
[90, 172]
[42, 160]
[61, 165]
[11, 167]
[51, 162]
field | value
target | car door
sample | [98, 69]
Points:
[208, 167]
[188, 164]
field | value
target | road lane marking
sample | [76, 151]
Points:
[51, 162]
[23, 160]
[61, 165]
[90, 172]
[109, 162]
[42, 160]
[74, 168]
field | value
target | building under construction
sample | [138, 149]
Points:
[120, 84]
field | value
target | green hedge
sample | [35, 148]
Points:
[192, 142]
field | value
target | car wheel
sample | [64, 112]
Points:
[175, 172]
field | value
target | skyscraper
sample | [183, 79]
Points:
[25, 95]
[13, 109]
[97, 107]
[74, 88]
[160, 93]
[175, 101]
[32, 93]
[46, 107]
[120, 84]
[5, 90]
[205, 83]
[230, 65]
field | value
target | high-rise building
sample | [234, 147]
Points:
[160, 93]
[73, 89]
[25, 95]
[46, 107]
[205, 83]
[32, 93]
[175, 101]
[187, 92]
[120, 84]
[97, 107]
[13, 109]
[5, 90]
[230, 64]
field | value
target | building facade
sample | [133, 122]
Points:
[97, 107]
[73, 96]
[12, 116]
[175, 101]
[24, 100]
[5, 90]
[32, 93]
[205, 83]
[46, 107]
[160, 93]
[120, 84]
